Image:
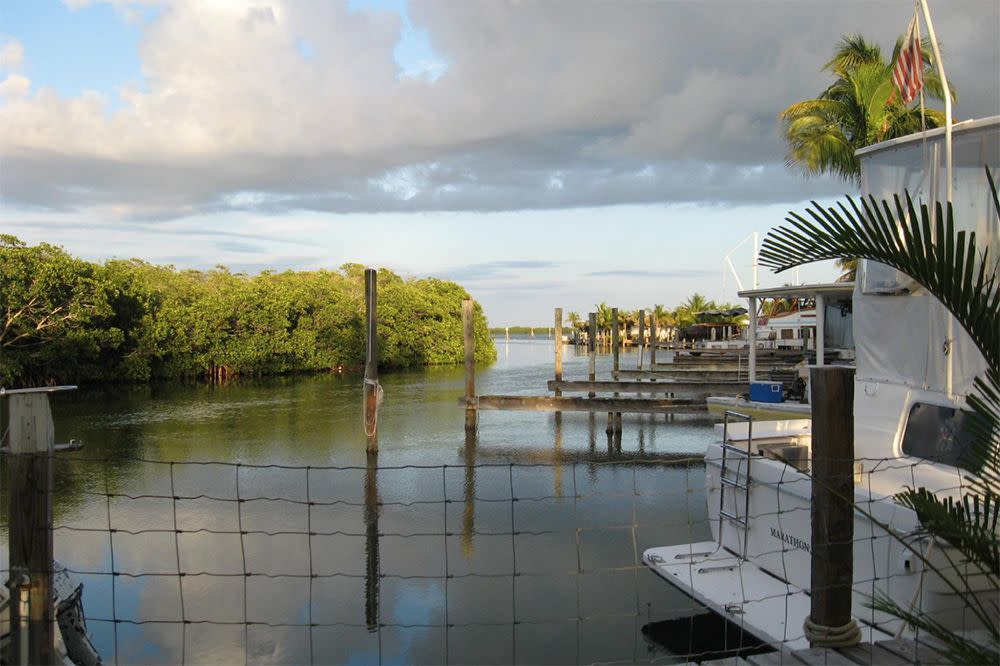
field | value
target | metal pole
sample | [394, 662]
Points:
[752, 341]
[947, 95]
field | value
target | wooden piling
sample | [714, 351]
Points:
[30, 519]
[652, 339]
[615, 344]
[559, 350]
[592, 349]
[832, 497]
[642, 334]
[470, 361]
[614, 419]
[371, 388]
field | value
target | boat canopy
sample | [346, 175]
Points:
[905, 336]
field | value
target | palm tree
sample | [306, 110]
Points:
[849, 268]
[574, 319]
[686, 313]
[966, 280]
[860, 108]
[603, 312]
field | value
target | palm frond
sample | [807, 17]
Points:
[947, 263]
[969, 525]
[957, 648]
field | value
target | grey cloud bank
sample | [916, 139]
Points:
[542, 105]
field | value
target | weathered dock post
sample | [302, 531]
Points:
[470, 364]
[615, 418]
[559, 350]
[615, 343]
[372, 390]
[592, 350]
[642, 334]
[652, 341]
[830, 623]
[30, 520]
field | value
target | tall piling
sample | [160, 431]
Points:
[372, 388]
[470, 363]
[642, 336]
[592, 350]
[652, 341]
[614, 419]
[832, 558]
[559, 350]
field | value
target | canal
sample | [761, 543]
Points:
[518, 544]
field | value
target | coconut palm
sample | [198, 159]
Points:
[603, 312]
[686, 313]
[860, 108]
[965, 278]
[849, 269]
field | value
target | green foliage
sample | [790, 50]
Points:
[65, 319]
[964, 278]
[861, 107]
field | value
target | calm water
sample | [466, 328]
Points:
[516, 544]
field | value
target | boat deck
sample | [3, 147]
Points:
[770, 609]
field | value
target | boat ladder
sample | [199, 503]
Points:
[728, 450]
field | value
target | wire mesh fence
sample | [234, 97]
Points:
[186, 562]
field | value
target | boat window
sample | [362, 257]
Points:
[938, 433]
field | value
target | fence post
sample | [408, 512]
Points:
[830, 623]
[592, 350]
[29, 471]
[559, 350]
[372, 387]
[470, 363]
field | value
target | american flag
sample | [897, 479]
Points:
[908, 73]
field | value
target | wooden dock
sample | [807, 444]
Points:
[688, 388]
[542, 403]
[685, 376]
[889, 652]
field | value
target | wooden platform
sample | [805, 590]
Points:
[698, 388]
[686, 375]
[541, 403]
[887, 652]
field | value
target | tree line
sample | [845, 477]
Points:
[65, 319]
[691, 311]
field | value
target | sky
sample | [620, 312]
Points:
[542, 154]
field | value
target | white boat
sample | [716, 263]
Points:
[915, 366]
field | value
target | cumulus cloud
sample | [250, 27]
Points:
[11, 55]
[530, 105]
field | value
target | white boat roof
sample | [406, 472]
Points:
[964, 126]
[801, 290]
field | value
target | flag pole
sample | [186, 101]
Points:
[947, 95]
[949, 373]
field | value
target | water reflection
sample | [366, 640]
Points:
[371, 543]
[371, 562]
[469, 490]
